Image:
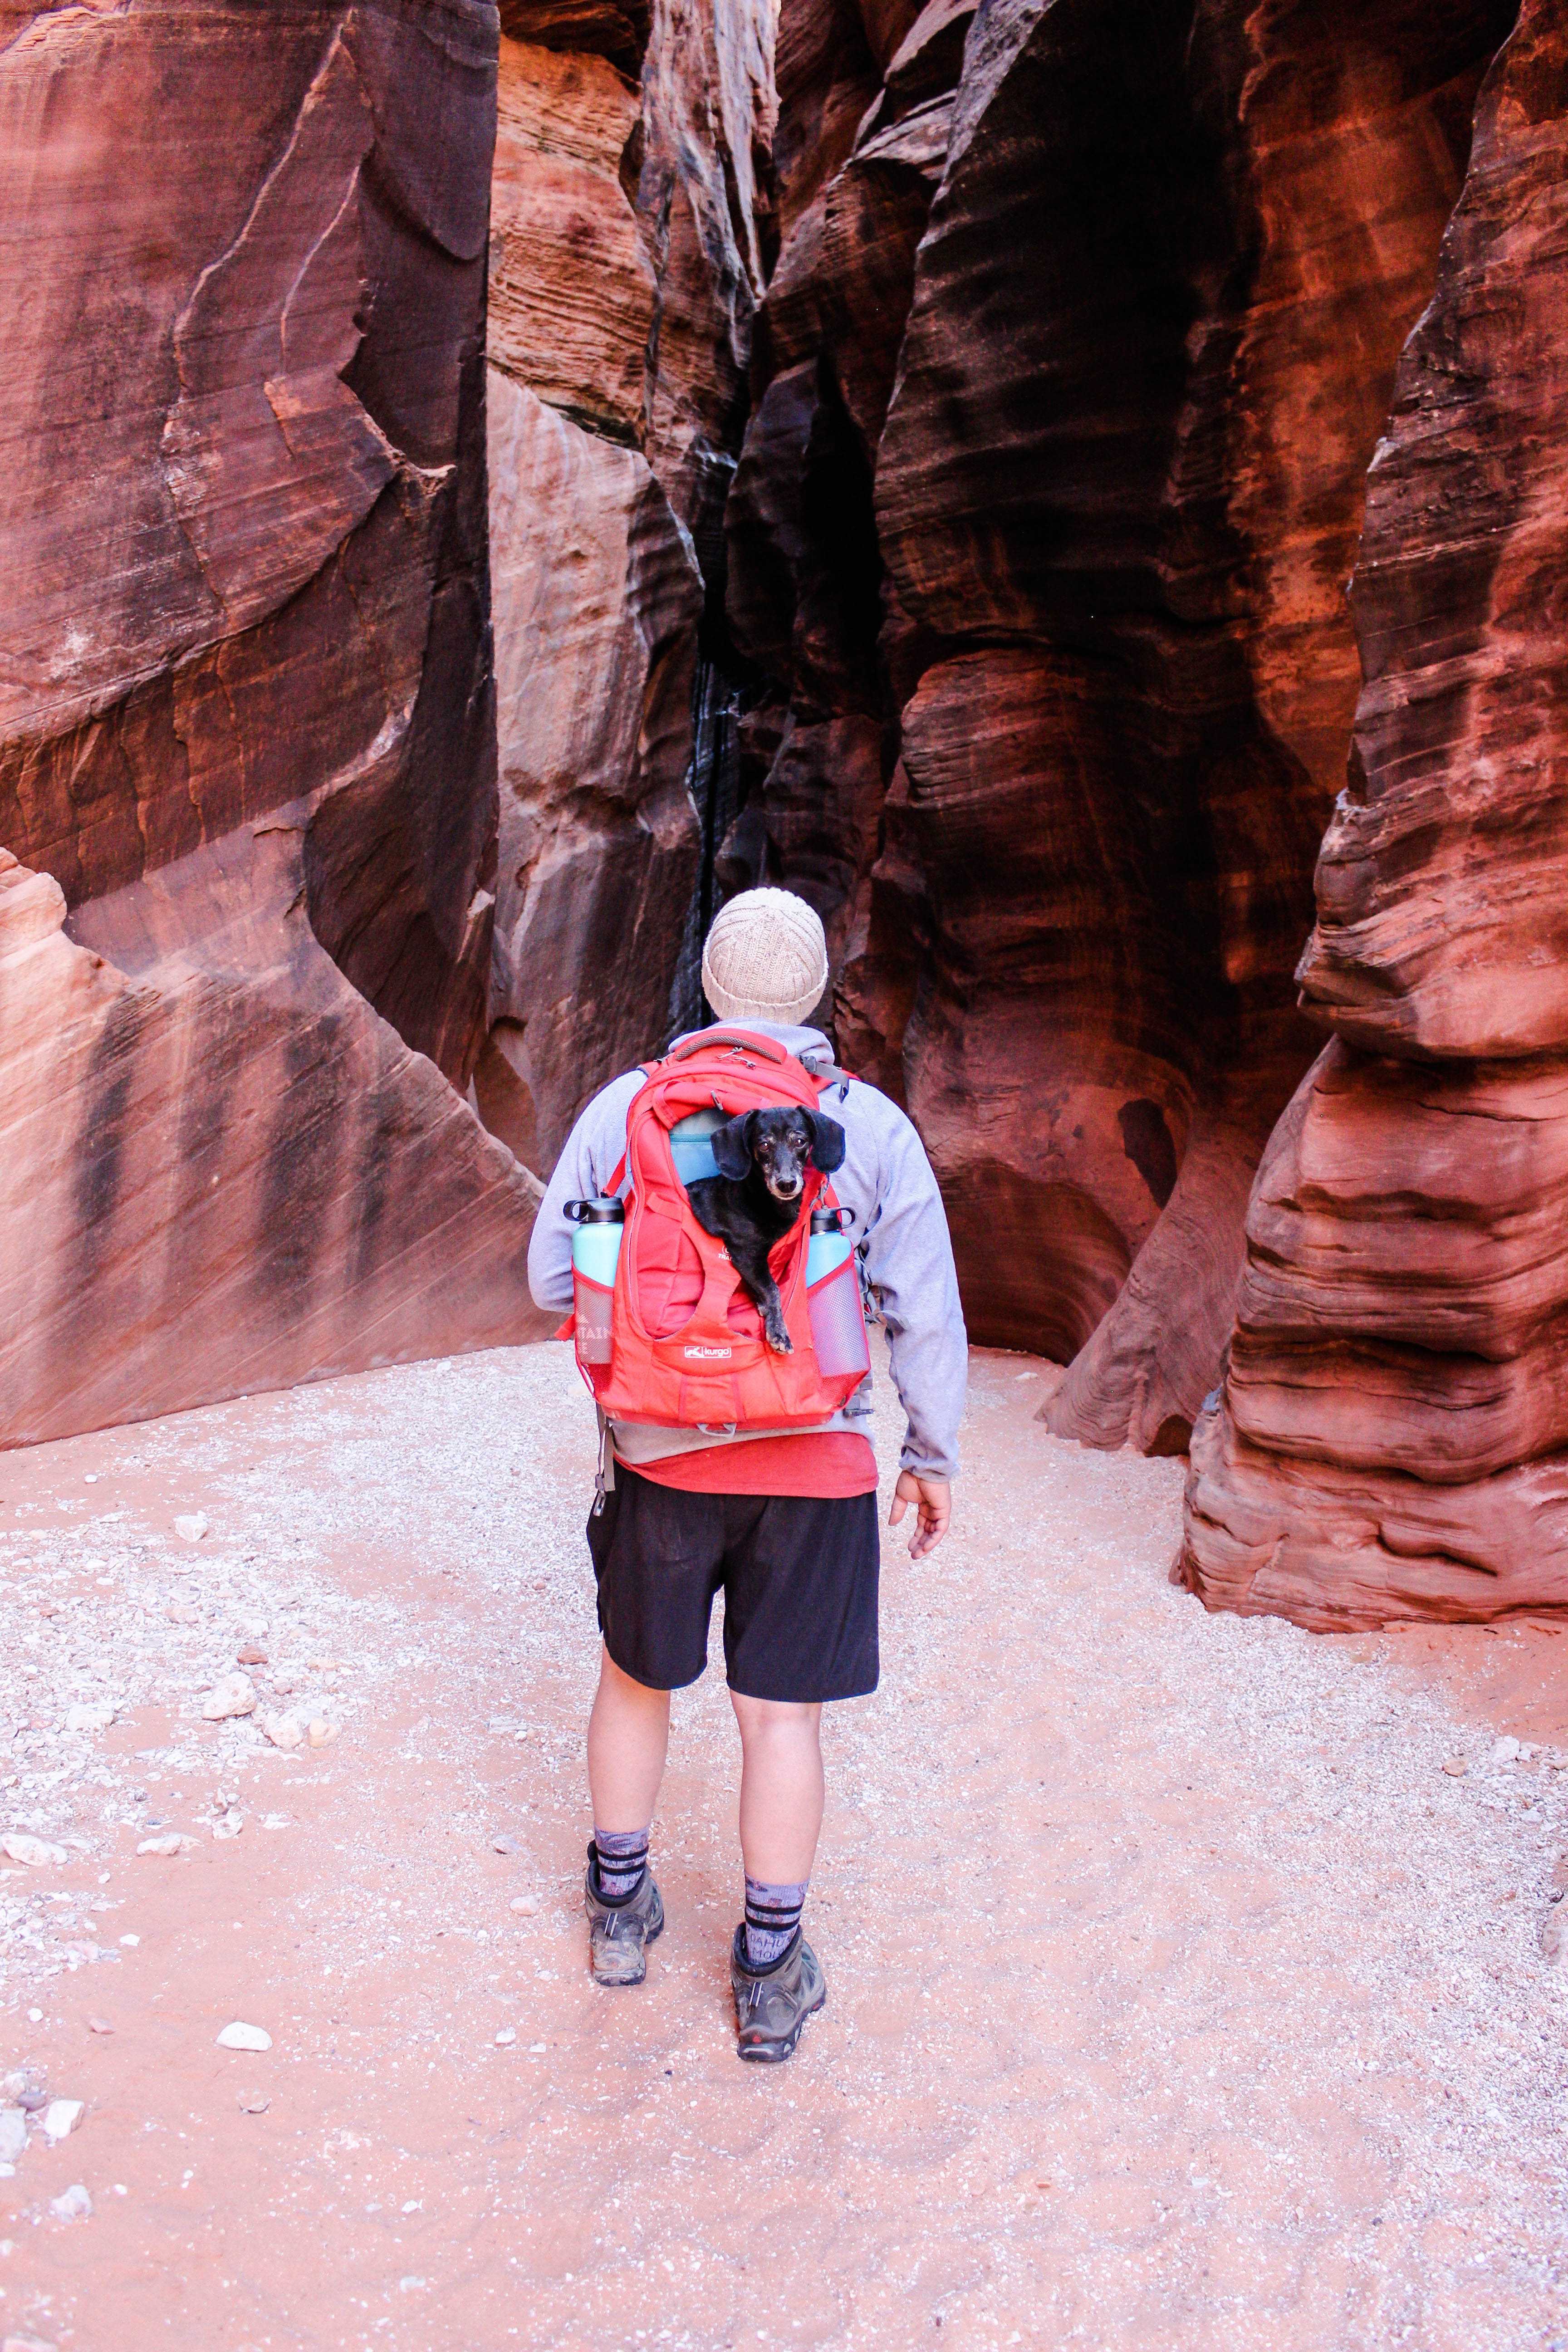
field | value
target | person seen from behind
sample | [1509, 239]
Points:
[784, 1522]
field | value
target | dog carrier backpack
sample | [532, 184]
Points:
[687, 1349]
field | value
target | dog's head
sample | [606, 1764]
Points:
[780, 1145]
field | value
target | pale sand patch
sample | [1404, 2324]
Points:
[1175, 1996]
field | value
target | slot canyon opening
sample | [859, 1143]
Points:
[911, 459]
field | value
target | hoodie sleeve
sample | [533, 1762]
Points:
[585, 1166]
[908, 1259]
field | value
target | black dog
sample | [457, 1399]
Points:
[755, 1199]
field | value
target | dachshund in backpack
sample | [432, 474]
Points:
[751, 1204]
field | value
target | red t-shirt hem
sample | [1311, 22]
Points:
[830, 1464]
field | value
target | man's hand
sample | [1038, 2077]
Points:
[932, 1500]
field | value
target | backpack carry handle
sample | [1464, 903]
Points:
[707, 1040]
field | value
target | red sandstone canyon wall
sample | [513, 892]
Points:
[463, 512]
[247, 739]
[1392, 1436]
[1066, 383]
[629, 206]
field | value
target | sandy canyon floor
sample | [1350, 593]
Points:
[1179, 1997]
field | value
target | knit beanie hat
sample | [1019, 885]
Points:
[766, 958]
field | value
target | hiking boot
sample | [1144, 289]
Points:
[773, 2003]
[620, 1933]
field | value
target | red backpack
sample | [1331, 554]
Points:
[688, 1351]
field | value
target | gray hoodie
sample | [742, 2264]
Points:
[887, 1184]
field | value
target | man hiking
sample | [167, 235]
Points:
[784, 1523]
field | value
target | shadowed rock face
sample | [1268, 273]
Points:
[1066, 382]
[1392, 1439]
[246, 728]
[594, 660]
[624, 257]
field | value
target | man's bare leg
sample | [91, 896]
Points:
[781, 1787]
[628, 1737]
[629, 1733]
[775, 1975]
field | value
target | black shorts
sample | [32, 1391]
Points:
[798, 1575]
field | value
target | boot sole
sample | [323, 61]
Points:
[635, 1973]
[773, 2054]
[631, 1976]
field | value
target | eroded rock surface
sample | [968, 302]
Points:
[625, 254]
[1392, 1436]
[246, 730]
[597, 599]
[1066, 381]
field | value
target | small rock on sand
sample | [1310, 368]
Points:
[1455, 1764]
[72, 2204]
[170, 1841]
[99, 2025]
[13, 2133]
[251, 1656]
[1554, 1937]
[94, 1716]
[241, 2036]
[229, 1825]
[234, 1695]
[527, 1904]
[182, 1612]
[61, 2118]
[506, 2037]
[1504, 1751]
[25, 2343]
[506, 1844]
[192, 1526]
[322, 1733]
[37, 1853]
[283, 1730]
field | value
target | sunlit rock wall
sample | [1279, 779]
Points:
[247, 751]
[1392, 1439]
[1066, 381]
[630, 200]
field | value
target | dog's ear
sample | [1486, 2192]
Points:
[827, 1145]
[732, 1146]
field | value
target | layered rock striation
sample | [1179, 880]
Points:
[1066, 383]
[247, 750]
[630, 200]
[1392, 1439]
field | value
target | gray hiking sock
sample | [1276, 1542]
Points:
[772, 1914]
[622, 1861]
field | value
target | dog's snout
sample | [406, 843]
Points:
[788, 1188]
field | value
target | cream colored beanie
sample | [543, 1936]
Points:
[766, 959]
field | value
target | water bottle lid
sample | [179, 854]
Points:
[830, 1221]
[602, 1210]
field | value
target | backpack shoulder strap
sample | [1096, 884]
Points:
[732, 1041]
[649, 1070]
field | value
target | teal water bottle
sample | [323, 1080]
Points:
[691, 1146]
[833, 1296]
[829, 1245]
[595, 1251]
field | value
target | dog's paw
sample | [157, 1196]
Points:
[781, 1343]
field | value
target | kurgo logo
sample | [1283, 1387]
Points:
[706, 1353]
